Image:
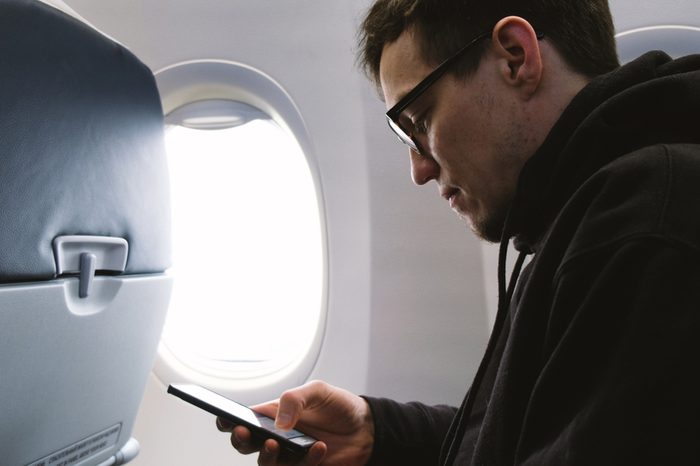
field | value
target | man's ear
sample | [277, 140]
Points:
[517, 49]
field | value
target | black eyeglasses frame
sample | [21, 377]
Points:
[394, 112]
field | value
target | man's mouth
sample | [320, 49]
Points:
[450, 196]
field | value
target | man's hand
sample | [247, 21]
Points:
[340, 420]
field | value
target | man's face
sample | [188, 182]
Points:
[472, 133]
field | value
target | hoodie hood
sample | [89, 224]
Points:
[592, 132]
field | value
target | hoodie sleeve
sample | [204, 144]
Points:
[408, 434]
[620, 378]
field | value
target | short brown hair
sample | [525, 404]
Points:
[581, 30]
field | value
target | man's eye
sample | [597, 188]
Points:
[421, 126]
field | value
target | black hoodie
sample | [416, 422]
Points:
[594, 358]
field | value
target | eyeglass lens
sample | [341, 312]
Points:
[402, 135]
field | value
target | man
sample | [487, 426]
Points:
[520, 114]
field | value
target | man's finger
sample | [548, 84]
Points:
[268, 453]
[224, 425]
[315, 455]
[242, 440]
[293, 402]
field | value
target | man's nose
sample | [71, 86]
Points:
[423, 168]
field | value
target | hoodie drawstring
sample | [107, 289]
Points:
[459, 424]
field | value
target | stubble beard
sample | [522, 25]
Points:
[489, 226]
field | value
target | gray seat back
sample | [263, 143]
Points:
[84, 239]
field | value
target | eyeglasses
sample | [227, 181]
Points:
[392, 116]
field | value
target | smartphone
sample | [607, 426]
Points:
[293, 444]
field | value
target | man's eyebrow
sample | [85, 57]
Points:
[400, 96]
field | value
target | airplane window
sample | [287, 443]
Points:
[247, 242]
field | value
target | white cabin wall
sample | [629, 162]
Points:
[631, 14]
[429, 319]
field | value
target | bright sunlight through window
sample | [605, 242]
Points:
[247, 249]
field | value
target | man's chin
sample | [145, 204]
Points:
[489, 229]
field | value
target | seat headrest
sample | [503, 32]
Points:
[81, 144]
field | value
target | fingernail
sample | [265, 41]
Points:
[283, 420]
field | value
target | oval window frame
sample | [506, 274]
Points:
[676, 40]
[191, 81]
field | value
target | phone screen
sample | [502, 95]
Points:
[293, 441]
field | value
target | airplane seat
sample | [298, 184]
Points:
[84, 239]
